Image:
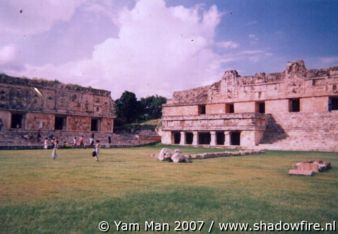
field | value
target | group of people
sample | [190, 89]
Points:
[55, 143]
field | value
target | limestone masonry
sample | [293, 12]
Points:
[296, 109]
[32, 108]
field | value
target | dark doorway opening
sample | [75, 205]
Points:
[333, 103]
[260, 107]
[204, 138]
[229, 108]
[201, 110]
[220, 138]
[294, 105]
[235, 138]
[189, 138]
[16, 120]
[95, 123]
[177, 137]
[59, 123]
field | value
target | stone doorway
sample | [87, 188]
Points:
[333, 103]
[188, 138]
[177, 137]
[17, 120]
[95, 125]
[204, 138]
[235, 138]
[220, 138]
[260, 107]
[60, 123]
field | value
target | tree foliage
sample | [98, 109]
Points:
[127, 107]
[152, 107]
[130, 110]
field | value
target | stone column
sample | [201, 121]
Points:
[212, 138]
[167, 137]
[195, 138]
[182, 139]
[226, 138]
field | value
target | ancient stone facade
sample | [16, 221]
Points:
[296, 109]
[29, 108]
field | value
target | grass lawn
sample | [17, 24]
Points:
[74, 193]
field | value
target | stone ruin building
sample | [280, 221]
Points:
[296, 109]
[32, 108]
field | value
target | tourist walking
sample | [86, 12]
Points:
[54, 148]
[81, 141]
[91, 139]
[74, 142]
[45, 143]
[97, 150]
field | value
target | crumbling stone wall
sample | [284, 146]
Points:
[294, 82]
[302, 131]
[79, 123]
[24, 94]
[36, 121]
[41, 102]
[311, 88]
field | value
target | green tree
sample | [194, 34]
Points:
[152, 107]
[130, 110]
[127, 108]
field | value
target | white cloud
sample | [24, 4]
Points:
[159, 49]
[31, 17]
[7, 54]
[228, 44]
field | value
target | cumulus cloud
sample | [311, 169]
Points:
[158, 49]
[7, 54]
[31, 17]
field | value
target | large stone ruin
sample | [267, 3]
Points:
[295, 109]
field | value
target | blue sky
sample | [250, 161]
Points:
[288, 29]
[156, 46]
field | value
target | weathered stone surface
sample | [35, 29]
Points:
[232, 103]
[42, 103]
[170, 155]
[309, 168]
[165, 154]
[224, 154]
[178, 157]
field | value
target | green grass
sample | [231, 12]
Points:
[74, 193]
[152, 122]
[146, 125]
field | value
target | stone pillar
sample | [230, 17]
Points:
[166, 137]
[182, 139]
[212, 138]
[195, 138]
[226, 138]
[170, 138]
